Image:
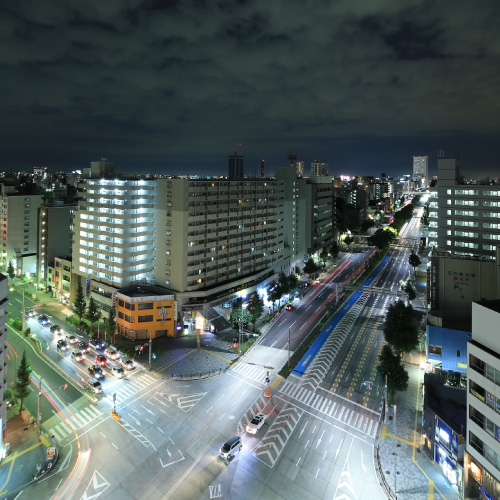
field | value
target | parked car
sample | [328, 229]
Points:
[118, 371]
[83, 346]
[62, 345]
[96, 371]
[94, 385]
[111, 353]
[128, 364]
[256, 423]
[98, 345]
[77, 355]
[231, 447]
[55, 329]
[43, 320]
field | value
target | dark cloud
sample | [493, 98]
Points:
[175, 86]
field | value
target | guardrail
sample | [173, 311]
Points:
[199, 375]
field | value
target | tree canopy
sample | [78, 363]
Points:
[310, 267]
[334, 250]
[255, 308]
[381, 239]
[80, 305]
[239, 314]
[400, 327]
[391, 365]
[93, 312]
[21, 387]
[414, 261]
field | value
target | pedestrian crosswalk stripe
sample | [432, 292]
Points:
[341, 413]
[325, 403]
[332, 409]
[370, 428]
[56, 435]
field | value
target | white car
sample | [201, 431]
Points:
[256, 423]
[71, 339]
[118, 371]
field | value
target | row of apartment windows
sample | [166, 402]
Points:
[484, 369]
[473, 192]
[484, 450]
[140, 319]
[485, 423]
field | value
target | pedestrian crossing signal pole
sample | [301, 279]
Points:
[268, 392]
[113, 413]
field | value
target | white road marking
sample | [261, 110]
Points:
[115, 445]
[102, 435]
[316, 476]
[161, 430]
[298, 462]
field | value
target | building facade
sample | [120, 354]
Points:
[55, 236]
[482, 460]
[3, 365]
[421, 171]
[145, 312]
[319, 169]
[464, 219]
[114, 236]
[19, 230]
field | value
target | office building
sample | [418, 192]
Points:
[421, 171]
[236, 166]
[299, 169]
[482, 458]
[55, 235]
[61, 285]
[319, 169]
[19, 230]
[464, 219]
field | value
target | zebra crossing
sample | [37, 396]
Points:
[126, 388]
[254, 372]
[73, 422]
[365, 422]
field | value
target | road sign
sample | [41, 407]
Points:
[268, 380]
[114, 396]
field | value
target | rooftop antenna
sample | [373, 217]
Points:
[236, 149]
[292, 157]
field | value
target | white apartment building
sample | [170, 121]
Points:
[3, 367]
[217, 237]
[319, 169]
[482, 458]
[464, 219]
[19, 225]
[114, 236]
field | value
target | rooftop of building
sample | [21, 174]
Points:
[144, 291]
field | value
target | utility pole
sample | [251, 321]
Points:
[38, 415]
[239, 333]
[150, 349]
[24, 313]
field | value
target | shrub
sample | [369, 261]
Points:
[27, 332]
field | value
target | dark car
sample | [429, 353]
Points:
[43, 320]
[102, 360]
[62, 345]
[96, 371]
[98, 345]
[84, 347]
[55, 329]
[289, 307]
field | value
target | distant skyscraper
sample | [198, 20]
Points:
[263, 168]
[319, 169]
[299, 166]
[421, 170]
[236, 166]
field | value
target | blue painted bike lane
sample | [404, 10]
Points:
[311, 353]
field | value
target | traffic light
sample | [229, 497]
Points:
[65, 386]
[235, 345]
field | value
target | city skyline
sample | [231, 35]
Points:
[175, 90]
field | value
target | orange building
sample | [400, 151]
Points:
[144, 310]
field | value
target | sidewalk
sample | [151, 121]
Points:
[408, 471]
[27, 452]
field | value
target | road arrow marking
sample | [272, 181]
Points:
[170, 462]
[97, 483]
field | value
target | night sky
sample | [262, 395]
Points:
[363, 85]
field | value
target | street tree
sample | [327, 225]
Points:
[275, 292]
[10, 271]
[310, 267]
[400, 327]
[22, 387]
[93, 313]
[111, 322]
[414, 261]
[324, 256]
[381, 239]
[367, 224]
[334, 250]
[391, 366]
[348, 240]
[255, 308]
[409, 288]
[239, 314]
[80, 304]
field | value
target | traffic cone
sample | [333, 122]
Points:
[115, 415]
[268, 392]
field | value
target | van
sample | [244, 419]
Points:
[231, 447]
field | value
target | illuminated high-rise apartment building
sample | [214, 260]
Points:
[421, 170]
[319, 169]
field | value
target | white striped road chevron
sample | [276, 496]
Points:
[277, 436]
[183, 401]
[256, 407]
[362, 419]
[251, 371]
